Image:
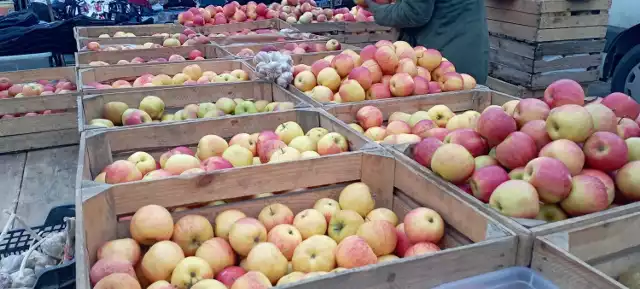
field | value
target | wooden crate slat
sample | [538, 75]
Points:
[138, 30]
[235, 27]
[83, 58]
[31, 75]
[39, 140]
[538, 81]
[177, 98]
[533, 34]
[548, 6]
[497, 249]
[590, 255]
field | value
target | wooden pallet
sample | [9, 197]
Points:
[91, 106]
[83, 58]
[102, 147]
[138, 30]
[114, 72]
[537, 65]
[548, 20]
[473, 242]
[590, 256]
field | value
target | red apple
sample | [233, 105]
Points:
[424, 150]
[516, 150]
[550, 177]
[605, 151]
[469, 139]
[495, 125]
[485, 180]
[622, 105]
[564, 91]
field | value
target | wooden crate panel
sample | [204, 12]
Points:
[112, 57]
[589, 256]
[130, 41]
[394, 185]
[235, 49]
[138, 30]
[32, 75]
[176, 98]
[130, 72]
[42, 130]
[105, 146]
[519, 91]
[548, 20]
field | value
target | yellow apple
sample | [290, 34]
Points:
[310, 222]
[357, 197]
[225, 220]
[190, 271]
[315, 254]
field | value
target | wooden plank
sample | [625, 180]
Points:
[541, 81]
[510, 89]
[31, 75]
[516, 47]
[456, 101]
[532, 7]
[106, 42]
[49, 181]
[178, 97]
[569, 47]
[378, 173]
[114, 72]
[567, 62]
[568, 19]
[557, 34]
[547, 6]
[23, 142]
[40, 103]
[605, 238]
[234, 27]
[513, 30]
[12, 168]
[509, 74]
[566, 270]
[513, 16]
[218, 185]
[511, 60]
[83, 58]
[38, 123]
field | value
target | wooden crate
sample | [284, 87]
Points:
[473, 242]
[138, 30]
[41, 131]
[548, 20]
[130, 72]
[590, 256]
[535, 66]
[211, 51]
[32, 75]
[130, 41]
[235, 49]
[526, 229]
[103, 146]
[174, 99]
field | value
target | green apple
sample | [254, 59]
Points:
[205, 107]
[238, 100]
[245, 107]
[271, 106]
[178, 115]
[286, 105]
[101, 122]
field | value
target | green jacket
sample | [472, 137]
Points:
[458, 28]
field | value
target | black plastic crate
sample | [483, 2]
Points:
[17, 241]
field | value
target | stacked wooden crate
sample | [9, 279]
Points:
[535, 42]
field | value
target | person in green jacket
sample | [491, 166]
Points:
[457, 28]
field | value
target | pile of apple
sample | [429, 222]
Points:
[230, 13]
[272, 249]
[37, 113]
[8, 89]
[294, 48]
[152, 109]
[191, 75]
[547, 159]
[287, 143]
[306, 11]
[193, 55]
[380, 71]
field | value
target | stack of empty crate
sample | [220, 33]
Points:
[535, 42]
